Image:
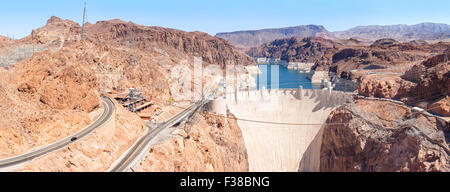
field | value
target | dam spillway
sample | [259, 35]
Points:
[282, 129]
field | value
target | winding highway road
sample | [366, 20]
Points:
[108, 112]
[139, 147]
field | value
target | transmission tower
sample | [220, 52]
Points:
[83, 31]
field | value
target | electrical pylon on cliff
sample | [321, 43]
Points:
[83, 31]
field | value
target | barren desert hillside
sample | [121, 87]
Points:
[52, 94]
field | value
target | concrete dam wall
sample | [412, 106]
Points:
[282, 129]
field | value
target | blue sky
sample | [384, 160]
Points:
[19, 17]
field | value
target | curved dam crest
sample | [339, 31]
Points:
[291, 141]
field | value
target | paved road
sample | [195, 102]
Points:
[108, 111]
[144, 141]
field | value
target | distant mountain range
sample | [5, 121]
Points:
[246, 39]
[422, 31]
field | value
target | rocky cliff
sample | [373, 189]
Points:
[425, 85]
[248, 39]
[415, 72]
[432, 76]
[384, 53]
[55, 31]
[296, 49]
[343, 56]
[379, 136]
[212, 144]
[212, 50]
[59, 79]
[52, 94]
[433, 84]
[28, 123]
[4, 41]
[441, 107]
[385, 86]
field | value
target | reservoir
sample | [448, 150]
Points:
[280, 77]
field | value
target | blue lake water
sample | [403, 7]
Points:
[280, 77]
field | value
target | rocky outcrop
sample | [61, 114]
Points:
[27, 123]
[248, 39]
[385, 86]
[423, 85]
[52, 94]
[353, 42]
[435, 82]
[213, 144]
[341, 57]
[379, 136]
[418, 42]
[309, 50]
[436, 70]
[359, 58]
[384, 42]
[55, 31]
[4, 41]
[441, 107]
[58, 82]
[212, 50]
[432, 77]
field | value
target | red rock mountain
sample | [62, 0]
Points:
[296, 49]
[212, 50]
[56, 30]
[4, 41]
[248, 39]
[432, 76]
[343, 56]
[57, 88]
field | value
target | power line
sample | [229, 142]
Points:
[282, 123]
[434, 96]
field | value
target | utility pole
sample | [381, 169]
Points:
[84, 21]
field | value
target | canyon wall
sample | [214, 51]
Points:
[425, 85]
[298, 49]
[174, 42]
[50, 95]
[209, 143]
[248, 39]
[381, 136]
